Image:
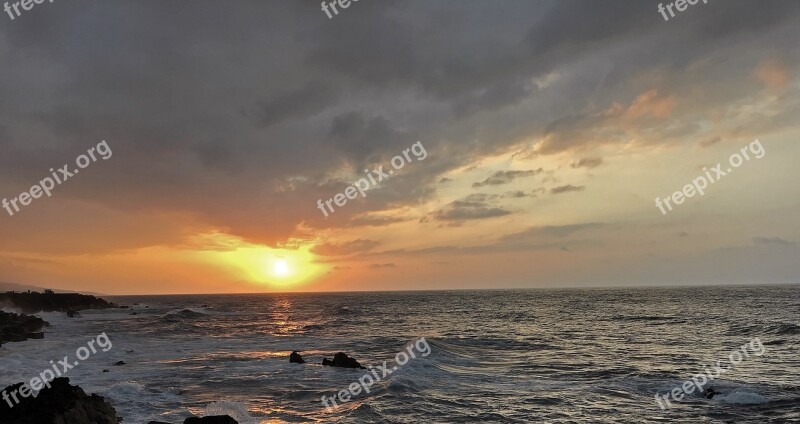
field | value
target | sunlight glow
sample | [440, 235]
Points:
[261, 265]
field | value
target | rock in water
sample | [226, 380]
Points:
[342, 360]
[295, 358]
[61, 403]
[709, 393]
[216, 419]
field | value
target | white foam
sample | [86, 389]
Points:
[741, 398]
[125, 390]
[237, 411]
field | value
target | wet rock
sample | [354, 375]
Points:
[60, 403]
[295, 358]
[20, 327]
[342, 360]
[709, 393]
[74, 314]
[119, 363]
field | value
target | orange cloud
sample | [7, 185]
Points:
[774, 74]
[650, 103]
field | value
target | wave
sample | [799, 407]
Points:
[772, 328]
[649, 318]
[183, 314]
[784, 329]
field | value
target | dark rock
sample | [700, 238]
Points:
[73, 314]
[134, 313]
[20, 327]
[60, 403]
[118, 363]
[105, 371]
[32, 302]
[709, 393]
[216, 419]
[342, 360]
[295, 358]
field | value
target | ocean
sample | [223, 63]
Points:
[505, 356]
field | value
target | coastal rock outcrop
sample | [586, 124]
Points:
[216, 419]
[295, 358]
[20, 327]
[342, 360]
[33, 302]
[61, 403]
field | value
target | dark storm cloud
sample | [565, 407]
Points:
[234, 113]
[364, 139]
[306, 101]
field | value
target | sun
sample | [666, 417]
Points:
[262, 265]
[280, 268]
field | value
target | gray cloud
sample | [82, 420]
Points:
[346, 248]
[505, 177]
[566, 189]
[306, 101]
[461, 213]
[551, 231]
[587, 163]
[775, 241]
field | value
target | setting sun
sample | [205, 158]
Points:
[280, 268]
[257, 264]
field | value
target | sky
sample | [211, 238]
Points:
[549, 129]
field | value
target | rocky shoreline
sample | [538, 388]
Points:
[16, 327]
[63, 403]
[59, 402]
